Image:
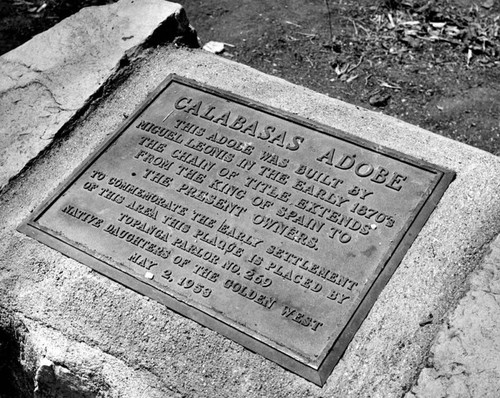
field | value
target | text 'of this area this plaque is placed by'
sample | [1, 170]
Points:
[277, 232]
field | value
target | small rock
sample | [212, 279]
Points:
[215, 47]
[379, 100]
[488, 4]
[46, 71]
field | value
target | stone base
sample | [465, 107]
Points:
[63, 69]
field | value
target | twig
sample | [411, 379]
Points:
[352, 78]
[294, 24]
[307, 34]
[41, 8]
[355, 28]
[362, 27]
[166, 117]
[391, 21]
[389, 85]
[329, 19]
[439, 38]
[356, 25]
[355, 66]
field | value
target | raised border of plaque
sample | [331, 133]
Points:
[287, 336]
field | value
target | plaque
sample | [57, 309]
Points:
[277, 232]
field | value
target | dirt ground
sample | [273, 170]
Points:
[435, 64]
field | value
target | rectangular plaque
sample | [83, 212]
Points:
[275, 231]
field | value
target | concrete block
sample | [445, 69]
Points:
[47, 81]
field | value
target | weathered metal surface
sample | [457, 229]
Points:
[274, 231]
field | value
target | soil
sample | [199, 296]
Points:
[435, 64]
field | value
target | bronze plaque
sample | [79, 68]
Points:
[275, 231]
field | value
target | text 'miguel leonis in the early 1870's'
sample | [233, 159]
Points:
[275, 231]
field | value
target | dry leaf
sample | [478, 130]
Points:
[340, 70]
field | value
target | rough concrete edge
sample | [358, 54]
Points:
[46, 360]
[428, 376]
[175, 28]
